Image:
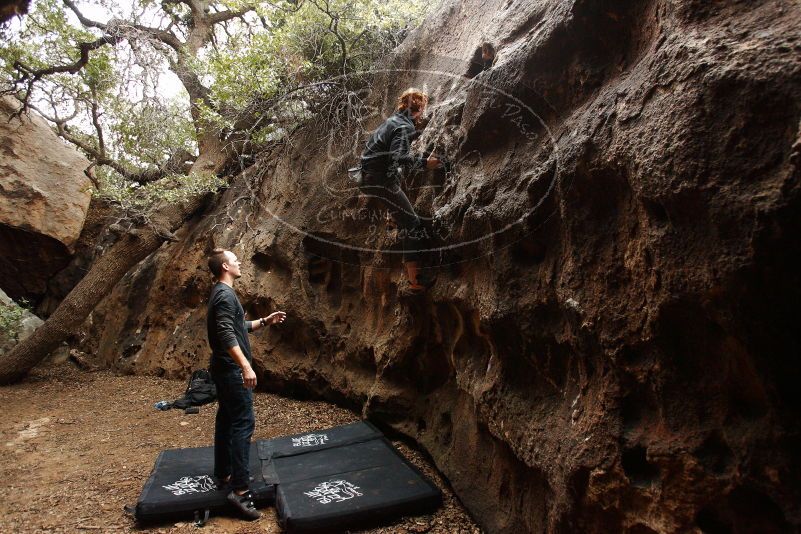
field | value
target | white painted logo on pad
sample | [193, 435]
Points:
[333, 491]
[310, 440]
[198, 484]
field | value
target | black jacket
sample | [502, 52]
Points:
[389, 147]
[226, 328]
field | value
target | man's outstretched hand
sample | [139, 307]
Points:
[275, 317]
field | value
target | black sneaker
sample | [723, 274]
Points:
[244, 503]
[426, 278]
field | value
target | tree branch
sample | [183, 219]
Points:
[89, 23]
[176, 163]
[96, 121]
[72, 68]
[90, 173]
[222, 16]
[333, 29]
[117, 29]
[30, 76]
[162, 35]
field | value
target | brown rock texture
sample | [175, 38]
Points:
[612, 342]
[97, 236]
[44, 197]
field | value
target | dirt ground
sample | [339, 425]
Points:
[77, 446]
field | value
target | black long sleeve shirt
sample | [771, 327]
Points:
[226, 327]
[389, 147]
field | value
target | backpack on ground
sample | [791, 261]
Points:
[201, 390]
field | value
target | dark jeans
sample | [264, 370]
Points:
[388, 191]
[233, 428]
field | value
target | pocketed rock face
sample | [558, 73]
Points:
[612, 346]
[44, 197]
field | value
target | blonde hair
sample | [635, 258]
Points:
[412, 99]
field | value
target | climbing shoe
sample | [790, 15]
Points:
[244, 503]
[419, 281]
[426, 278]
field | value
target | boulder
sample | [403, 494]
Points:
[612, 341]
[20, 329]
[44, 197]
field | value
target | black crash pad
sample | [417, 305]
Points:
[343, 477]
[318, 440]
[353, 478]
[355, 499]
[330, 461]
[182, 482]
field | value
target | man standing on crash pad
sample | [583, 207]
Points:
[233, 375]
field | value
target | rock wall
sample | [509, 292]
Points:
[611, 344]
[44, 200]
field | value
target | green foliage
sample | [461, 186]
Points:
[322, 39]
[47, 38]
[10, 319]
[145, 133]
[138, 199]
[38, 45]
[248, 67]
[141, 127]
